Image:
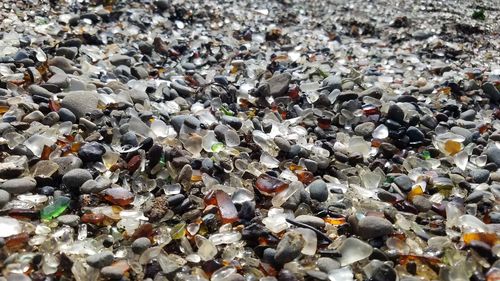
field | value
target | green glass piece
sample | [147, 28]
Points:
[426, 155]
[389, 179]
[55, 209]
[216, 147]
[226, 111]
[178, 231]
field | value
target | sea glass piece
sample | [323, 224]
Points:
[381, 132]
[118, 196]
[9, 227]
[267, 184]
[206, 249]
[461, 159]
[227, 210]
[353, 250]
[55, 209]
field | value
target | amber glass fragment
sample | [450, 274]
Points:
[334, 221]
[227, 210]
[134, 163]
[119, 196]
[47, 150]
[24, 214]
[17, 241]
[96, 219]
[268, 184]
[145, 230]
[305, 177]
[489, 238]
[417, 190]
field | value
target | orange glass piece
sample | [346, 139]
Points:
[268, 184]
[47, 150]
[227, 210]
[3, 109]
[119, 196]
[75, 147]
[452, 147]
[489, 238]
[417, 190]
[145, 230]
[293, 92]
[96, 219]
[305, 177]
[134, 163]
[294, 167]
[376, 143]
[210, 198]
[334, 221]
[16, 241]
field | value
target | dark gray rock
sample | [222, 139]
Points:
[80, 102]
[140, 245]
[66, 115]
[404, 182]
[278, 84]
[100, 260]
[289, 247]
[19, 186]
[493, 154]
[479, 175]
[373, 227]
[91, 152]
[75, 178]
[318, 190]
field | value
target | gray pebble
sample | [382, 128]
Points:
[71, 220]
[372, 227]
[67, 163]
[140, 245]
[493, 154]
[423, 204]
[289, 247]
[364, 129]
[4, 198]
[66, 115]
[311, 220]
[479, 175]
[75, 178]
[19, 186]
[326, 264]
[278, 84]
[404, 182]
[100, 260]
[80, 102]
[318, 190]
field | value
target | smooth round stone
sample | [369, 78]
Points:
[67, 163]
[100, 260]
[494, 217]
[75, 178]
[91, 152]
[117, 60]
[311, 220]
[382, 272]
[66, 115]
[139, 72]
[39, 91]
[396, 113]
[317, 275]
[493, 154]
[282, 143]
[364, 129]
[429, 121]
[4, 198]
[311, 165]
[468, 115]
[50, 119]
[423, 204]
[61, 80]
[33, 116]
[318, 190]
[415, 134]
[373, 227]
[404, 182]
[71, 220]
[19, 186]
[140, 245]
[129, 138]
[480, 175]
[232, 121]
[289, 247]
[80, 102]
[326, 264]
[68, 52]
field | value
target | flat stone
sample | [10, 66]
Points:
[278, 84]
[117, 60]
[71, 220]
[4, 198]
[140, 245]
[75, 178]
[364, 129]
[289, 247]
[373, 227]
[311, 220]
[19, 186]
[80, 102]
[326, 264]
[100, 260]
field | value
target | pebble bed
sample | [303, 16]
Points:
[249, 140]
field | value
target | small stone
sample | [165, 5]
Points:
[278, 84]
[50, 119]
[140, 245]
[479, 175]
[232, 121]
[75, 178]
[100, 260]
[4, 198]
[289, 247]
[71, 220]
[61, 80]
[468, 115]
[493, 154]
[67, 163]
[19, 186]
[80, 102]
[364, 129]
[91, 152]
[311, 220]
[423, 204]
[66, 115]
[415, 134]
[491, 91]
[396, 113]
[404, 182]
[373, 227]
[282, 143]
[129, 138]
[33, 116]
[318, 190]
[326, 264]
[117, 60]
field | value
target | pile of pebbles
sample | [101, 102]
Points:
[249, 140]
